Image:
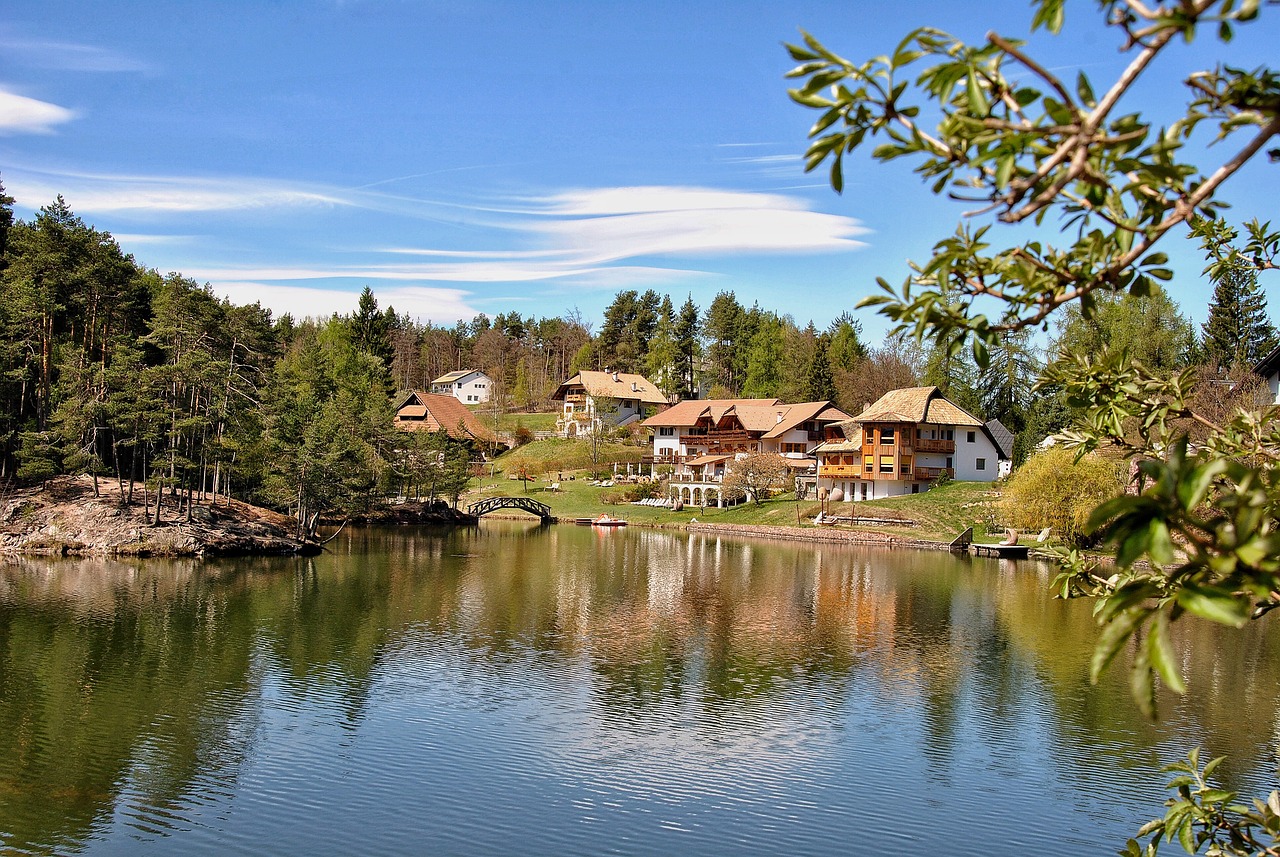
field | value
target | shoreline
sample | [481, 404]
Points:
[871, 538]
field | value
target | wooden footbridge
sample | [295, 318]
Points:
[528, 504]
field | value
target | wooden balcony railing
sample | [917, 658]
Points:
[926, 473]
[926, 445]
[833, 470]
[715, 436]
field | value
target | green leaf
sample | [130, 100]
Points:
[1084, 90]
[1159, 545]
[1142, 684]
[1113, 636]
[978, 105]
[1162, 656]
[1214, 604]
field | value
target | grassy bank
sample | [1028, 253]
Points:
[938, 514]
[557, 456]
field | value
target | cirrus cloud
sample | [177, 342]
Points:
[22, 115]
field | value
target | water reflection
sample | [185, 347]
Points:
[637, 691]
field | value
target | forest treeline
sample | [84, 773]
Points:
[111, 368]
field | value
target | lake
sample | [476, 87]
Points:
[517, 689]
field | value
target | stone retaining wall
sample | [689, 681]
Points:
[799, 534]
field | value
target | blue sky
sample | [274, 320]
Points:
[464, 157]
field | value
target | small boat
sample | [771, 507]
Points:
[601, 521]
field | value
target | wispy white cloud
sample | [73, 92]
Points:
[622, 223]
[67, 56]
[22, 115]
[461, 271]
[130, 239]
[113, 194]
[434, 304]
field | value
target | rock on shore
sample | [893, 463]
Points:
[65, 518]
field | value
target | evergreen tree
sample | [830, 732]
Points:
[1238, 330]
[820, 384]
[764, 358]
[687, 349]
[661, 364]
[371, 329]
[845, 348]
[724, 329]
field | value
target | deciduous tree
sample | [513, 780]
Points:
[1024, 144]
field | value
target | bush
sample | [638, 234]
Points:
[1054, 490]
[522, 434]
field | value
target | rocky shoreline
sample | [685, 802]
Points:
[67, 518]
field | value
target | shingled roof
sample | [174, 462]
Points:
[770, 417]
[421, 411]
[613, 385]
[917, 405]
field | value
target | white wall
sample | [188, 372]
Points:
[969, 452]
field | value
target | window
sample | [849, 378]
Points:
[869, 463]
[886, 464]
[982, 464]
[792, 447]
[666, 431]
[949, 434]
[886, 436]
[973, 436]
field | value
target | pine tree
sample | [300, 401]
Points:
[1238, 330]
[687, 349]
[820, 384]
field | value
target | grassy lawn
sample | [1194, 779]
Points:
[940, 514]
[508, 422]
[556, 455]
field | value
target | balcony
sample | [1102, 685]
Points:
[690, 479]
[574, 398]
[714, 436]
[925, 474]
[944, 446]
[831, 471]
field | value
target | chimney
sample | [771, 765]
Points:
[615, 377]
[635, 388]
[779, 417]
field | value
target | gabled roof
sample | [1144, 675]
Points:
[804, 411]
[614, 385]
[1267, 366]
[917, 405]
[1002, 437]
[434, 412]
[450, 377]
[769, 417]
[688, 412]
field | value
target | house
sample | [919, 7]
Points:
[1004, 441]
[699, 439]
[1269, 368]
[595, 401]
[470, 386]
[420, 411]
[904, 442]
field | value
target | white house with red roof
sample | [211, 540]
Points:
[700, 438]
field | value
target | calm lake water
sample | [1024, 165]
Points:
[513, 689]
